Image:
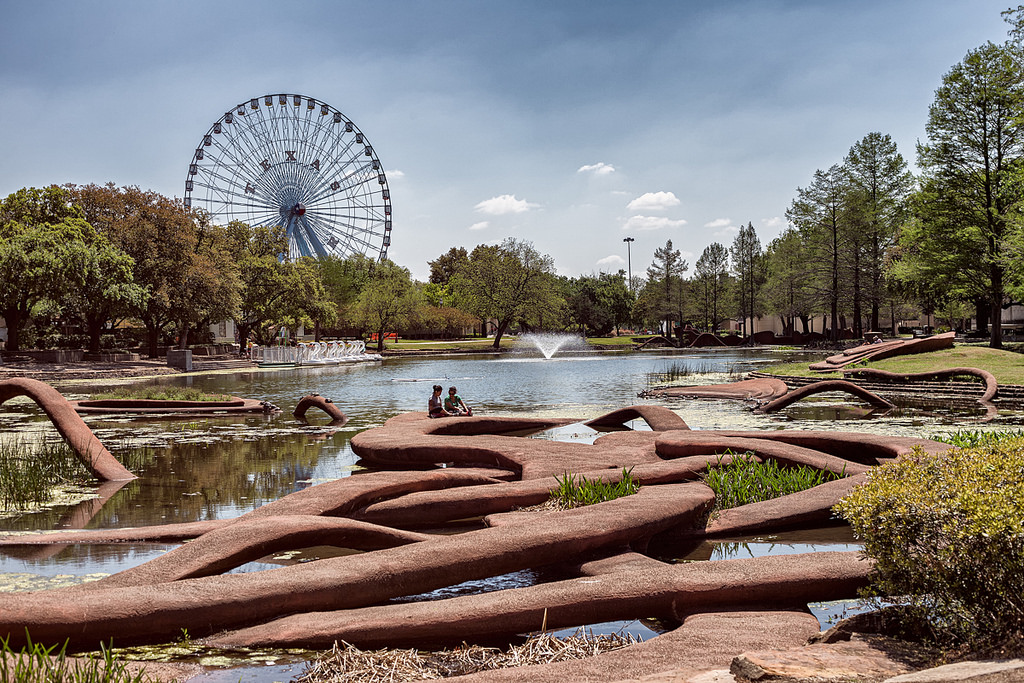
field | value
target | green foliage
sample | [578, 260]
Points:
[161, 394]
[37, 663]
[29, 473]
[744, 480]
[946, 533]
[573, 491]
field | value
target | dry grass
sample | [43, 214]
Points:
[352, 665]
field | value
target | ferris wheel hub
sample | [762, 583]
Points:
[299, 209]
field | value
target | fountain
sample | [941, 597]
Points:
[550, 343]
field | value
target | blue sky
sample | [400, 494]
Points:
[569, 124]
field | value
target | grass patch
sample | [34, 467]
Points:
[573, 492]
[35, 662]
[744, 480]
[348, 663]
[29, 473]
[161, 394]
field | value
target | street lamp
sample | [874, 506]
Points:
[629, 259]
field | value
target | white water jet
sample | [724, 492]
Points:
[550, 343]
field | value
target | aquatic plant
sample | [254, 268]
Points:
[160, 394]
[947, 533]
[575, 492]
[30, 472]
[35, 662]
[744, 480]
[973, 438]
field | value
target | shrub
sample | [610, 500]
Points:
[947, 534]
[745, 480]
[35, 662]
[573, 493]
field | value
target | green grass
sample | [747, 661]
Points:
[34, 662]
[744, 480]
[29, 473]
[972, 438]
[575, 492]
[1007, 366]
[161, 394]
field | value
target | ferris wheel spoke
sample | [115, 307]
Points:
[293, 161]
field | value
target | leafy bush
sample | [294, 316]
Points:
[573, 492]
[947, 534]
[745, 480]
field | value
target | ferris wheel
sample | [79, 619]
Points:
[296, 162]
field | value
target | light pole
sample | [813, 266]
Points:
[629, 259]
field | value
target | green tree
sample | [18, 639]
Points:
[711, 283]
[788, 290]
[599, 303]
[818, 213]
[388, 301]
[508, 282]
[662, 293]
[879, 178]
[38, 228]
[100, 287]
[343, 279]
[748, 267]
[971, 166]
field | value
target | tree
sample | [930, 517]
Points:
[507, 282]
[710, 280]
[159, 234]
[343, 279]
[600, 302]
[388, 300]
[259, 253]
[788, 284]
[879, 178]
[209, 289]
[445, 266]
[662, 293]
[817, 213]
[38, 228]
[748, 268]
[971, 169]
[100, 288]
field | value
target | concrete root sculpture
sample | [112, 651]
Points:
[895, 347]
[991, 385]
[596, 550]
[758, 388]
[825, 387]
[325, 404]
[93, 454]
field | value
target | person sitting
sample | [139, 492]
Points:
[454, 405]
[435, 407]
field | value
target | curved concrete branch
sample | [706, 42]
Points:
[93, 454]
[824, 387]
[324, 404]
[991, 386]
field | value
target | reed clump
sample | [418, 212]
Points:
[576, 491]
[745, 479]
[35, 662]
[348, 663]
[30, 472]
[160, 394]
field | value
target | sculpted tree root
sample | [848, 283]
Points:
[896, 347]
[324, 404]
[93, 454]
[991, 386]
[144, 406]
[821, 388]
[759, 388]
[742, 604]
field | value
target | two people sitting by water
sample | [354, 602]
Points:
[451, 406]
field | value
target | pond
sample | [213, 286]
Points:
[211, 468]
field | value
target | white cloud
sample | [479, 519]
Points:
[505, 204]
[613, 260]
[600, 168]
[776, 222]
[719, 223]
[654, 201]
[480, 226]
[645, 223]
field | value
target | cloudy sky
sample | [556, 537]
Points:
[568, 123]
